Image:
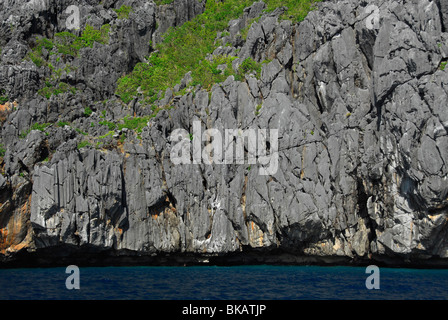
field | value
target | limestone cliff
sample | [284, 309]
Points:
[359, 99]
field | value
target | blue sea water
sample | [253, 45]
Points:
[223, 283]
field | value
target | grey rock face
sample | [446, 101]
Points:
[74, 206]
[362, 147]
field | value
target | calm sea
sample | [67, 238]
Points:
[223, 283]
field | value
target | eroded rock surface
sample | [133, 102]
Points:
[362, 119]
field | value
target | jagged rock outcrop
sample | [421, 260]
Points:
[361, 119]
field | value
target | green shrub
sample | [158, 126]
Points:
[36, 126]
[50, 90]
[297, 9]
[107, 135]
[87, 111]
[64, 42]
[90, 35]
[160, 2]
[257, 109]
[249, 65]
[132, 123]
[207, 73]
[36, 59]
[3, 99]
[81, 132]
[443, 65]
[122, 138]
[136, 123]
[36, 55]
[69, 44]
[24, 134]
[110, 125]
[83, 144]
[40, 126]
[46, 43]
[62, 124]
[2, 151]
[123, 12]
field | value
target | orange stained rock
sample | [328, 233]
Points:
[15, 226]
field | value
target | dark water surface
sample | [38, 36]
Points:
[228, 283]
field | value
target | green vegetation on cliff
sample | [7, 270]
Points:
[297, 9]
[185, 48]
[123, 12]
[64, 44]
[67, 43]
